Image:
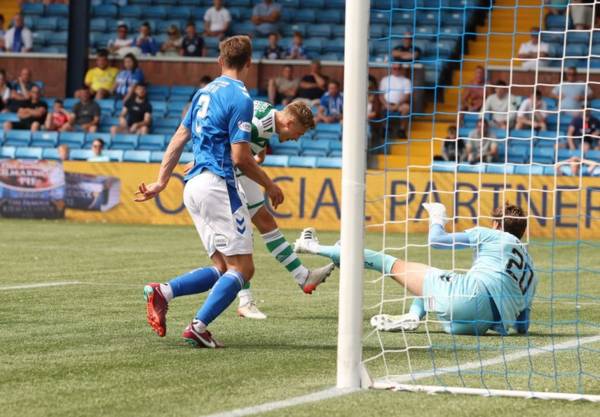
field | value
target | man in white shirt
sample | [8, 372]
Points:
[122, 44]
[499, 105]
[217, 20]
[532, 112]
[529, 50]
[18, 38]
[396, 97]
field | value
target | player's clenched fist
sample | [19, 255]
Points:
[275, 195]
[148, 192]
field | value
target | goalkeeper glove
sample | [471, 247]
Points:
[437, 213]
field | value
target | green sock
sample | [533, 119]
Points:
[283, 252]
[246, 285]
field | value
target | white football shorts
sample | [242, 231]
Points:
[254, 193]
[219, 212]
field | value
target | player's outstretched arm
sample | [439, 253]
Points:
[168, 164]
[438, 237]
[242, 157]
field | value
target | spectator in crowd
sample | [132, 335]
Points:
[20, 91]
[283, 89]
[500, 106]
[4, 91]
[58, 118]
[331, 105]
[554, 8]
[2, 32]
[217, 20]
[406, 51]
[172, 46]
[571, 93]
[136, 116]
[583, 129]
[122, 44]
[296, 49]
[145, 42]
[31, 113]
[581, 13]
[376, 122]
[128, 78]
[98, 152]
[63, 152]
[453, 148]
[481, 146]
[265, 17]
[472, 97]
[18, 38]
[397, 89]
[532, 112]
[101, 79]
[573, 166]
[86, 113]
[312, 85]
[532, 50]
[192, 44]
[273, 49]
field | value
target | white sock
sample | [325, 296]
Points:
[300, 274]
[167, 292]
[245, 297]
[199, 326]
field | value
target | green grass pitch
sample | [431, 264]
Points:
[86, 350]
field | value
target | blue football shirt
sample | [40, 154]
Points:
[220, 115]
[504, 267]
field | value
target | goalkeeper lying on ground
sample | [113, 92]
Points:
[495, 294]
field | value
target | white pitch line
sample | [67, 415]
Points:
[40, 285]
[393, 380]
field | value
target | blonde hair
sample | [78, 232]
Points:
[236, 51]
[302, 113]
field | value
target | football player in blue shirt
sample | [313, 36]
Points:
[495, 294]
[219, 124]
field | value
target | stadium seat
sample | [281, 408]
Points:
[290, 148]
[50, 153]
[136, 156]
[243, 28]
[7, 152]
[44, 139]
[334, 46]
[97, 25]
[156, 156]
[124, 142]
[57, 39]
[276, 161]
[151, 143]
[289, 30]
[80, 154]
[46, 23]
[115, 155]
[471, 168]
[90, 137]
[69, 102]
[17, 138]
[105, 10]
[165, 125]
[62, 24]
[129, 12]
[32, 9]
[158, 107]
[179, 13]
[521, 133]
[330, 16]
[314, 4]
[106, 105]
[529, 170]
[578, 37]
[315, 148]
[302, 161]
[182, 91]
[28, 153]
[305, 16]
[518, 151]
[576, 50]
[186, 157]
[593, 155]
[567, 153]
[329, 162]
[175, 108]
[544, 155]
[155, 12]
[556, 22]
[443, 166]
[8, 117]
[71, 139]
[61, 10]
[499, 168]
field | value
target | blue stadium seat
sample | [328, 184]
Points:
[330, 16]
[1, 137]
[62, 24]
[518, 151]
[471, 168]
[186, 157]
[156, 156]
[305, 16]
[80, 154]
[243, 28]
[556, 22]
[57, 39]
[136, 156]
[336, 154]
[286, 148]
[69, 102]
[71, 139]
[529, 170]
[302, 161]
[105, 10]
[314, 4]
[151, 143]
[155, 12]
[7, 152]
[183, 90]
[593, 155]
[566, 154]
[28, 153]
[329, 162]
[164, 25]
[158, 107]
[406, 18]
[334, 46]
[289, 3]
[61, 10]
[578, 37]
[46, 23]
[171, 123]
[115, 155]
[259, 44]
[50, 153]
[17, 138]
[522, 133]
[32, 9]
[576, 50]
[175, 108]
[124, 142]
[276, 161]
[544, 155]
[134, 12]
[289, 30]
[315, 148]
[319, 31]
[44, 139]
[179, 13]
[499, 168]
[90, 137]
[443, 166]
[8, 117]
[106, 105]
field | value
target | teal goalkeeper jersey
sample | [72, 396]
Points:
[503, 265]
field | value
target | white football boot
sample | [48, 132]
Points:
[251, 311]
[387, 323]
[307, 242]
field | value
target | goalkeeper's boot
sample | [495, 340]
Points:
[156, 308]
[200, 339]
[387, 323]
[251, 311]
[316, 277]
[307, 242]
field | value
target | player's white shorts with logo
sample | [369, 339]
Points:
[254, 193]
[220, 214]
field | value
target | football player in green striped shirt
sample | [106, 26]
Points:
[289, 124]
